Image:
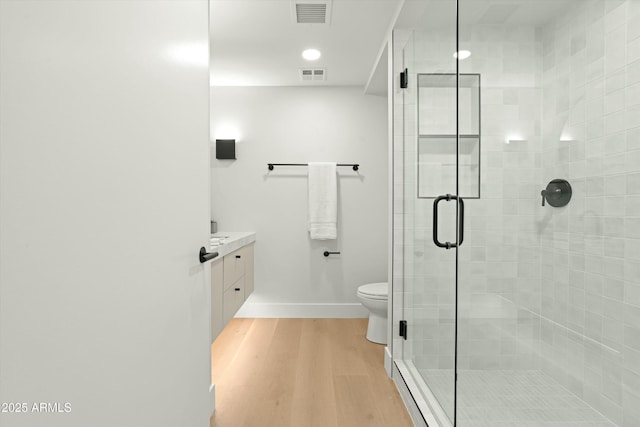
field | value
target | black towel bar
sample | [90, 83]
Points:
[355, 166]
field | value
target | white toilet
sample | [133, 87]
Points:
[374, 297]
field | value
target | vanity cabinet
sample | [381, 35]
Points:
[217, 276]
[231, 284]
[234, 267]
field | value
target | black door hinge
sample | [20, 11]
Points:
[404, 79]
[403, 329]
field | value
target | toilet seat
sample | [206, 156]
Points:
[378, 291]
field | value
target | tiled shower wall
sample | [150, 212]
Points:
[590, 294]
[499, 276]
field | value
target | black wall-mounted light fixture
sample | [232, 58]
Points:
[226, 149]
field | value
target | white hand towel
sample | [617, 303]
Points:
[323, 201]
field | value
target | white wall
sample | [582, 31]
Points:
[103, 207]
[300, 125]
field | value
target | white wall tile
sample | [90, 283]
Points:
[633, 50]
[615, 50]
[614, 206]
[632, 227]
[633, 73]
[615, 185]
[614, 101]
[633, 183]
[614, 164]
[633, 116]
[632, 161]
[633, 139]
[615, 81]
[632, 206]
[615, 122]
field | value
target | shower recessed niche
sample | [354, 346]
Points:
[437, 135]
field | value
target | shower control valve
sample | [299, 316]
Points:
[558, 193]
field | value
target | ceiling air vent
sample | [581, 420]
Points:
[311, 11]
[313, 74]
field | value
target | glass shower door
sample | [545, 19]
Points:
[533, 319]
[430, 209]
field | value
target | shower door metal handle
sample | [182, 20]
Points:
[448, 198]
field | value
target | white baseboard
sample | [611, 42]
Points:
[212, 399]
[303, 310]
[388, 362]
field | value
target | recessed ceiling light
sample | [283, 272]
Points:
[311, 54]
[464, 54]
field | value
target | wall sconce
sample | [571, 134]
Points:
[226, 149]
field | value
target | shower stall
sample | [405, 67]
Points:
[516, 267]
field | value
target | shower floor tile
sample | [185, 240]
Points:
[512, 399]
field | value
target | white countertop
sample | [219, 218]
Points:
[225, 242]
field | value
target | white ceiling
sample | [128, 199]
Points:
[422, 14]
[258, 43]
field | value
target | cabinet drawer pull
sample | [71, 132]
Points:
[237, 256]
[237, 289]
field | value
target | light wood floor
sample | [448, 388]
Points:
[302, 373]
